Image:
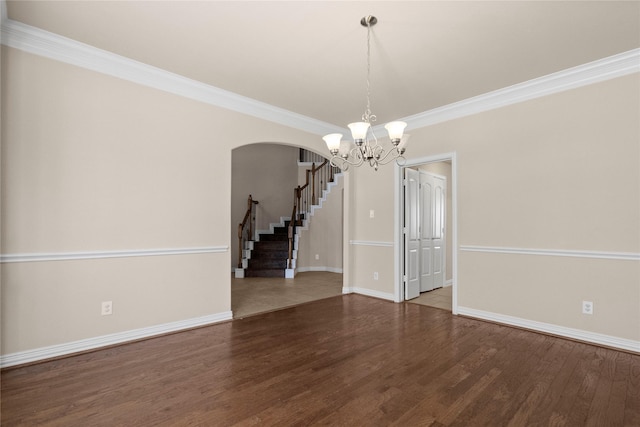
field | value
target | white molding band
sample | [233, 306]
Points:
[317, 268]
[626, 256]
[577, 334]
[58, 350]
[53, 46]
[367, 292]
[592, 72]
[70, 256]
[43, 43]
[370, 243]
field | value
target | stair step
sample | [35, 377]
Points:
[281, 230]
[264, 272]
[259, 264]
[269, 254]
[274, 237]
[271, 245]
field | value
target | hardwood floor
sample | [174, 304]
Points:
[346, 360]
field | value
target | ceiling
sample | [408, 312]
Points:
[309, 57]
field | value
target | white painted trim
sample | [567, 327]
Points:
[578, 334]
[327, 269]
[57, 350]
[398, 231]
[367, 292]
[53, 46]
[370, 243]
[626, 256]
[70, 256]
[571, 78]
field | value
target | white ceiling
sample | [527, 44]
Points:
[309, 57]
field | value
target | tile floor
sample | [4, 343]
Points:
[254, 295]
[439, 298]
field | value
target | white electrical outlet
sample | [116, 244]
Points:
[107, 308]
[587, 307]
[372, 213]
[317, 256]
[375, 275]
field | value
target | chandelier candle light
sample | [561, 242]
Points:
[367, 149]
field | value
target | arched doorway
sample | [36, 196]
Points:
[270, 172]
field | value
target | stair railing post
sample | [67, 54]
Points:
[248, 216]
[296, 200]
[313, 183]
[240, 245]
[251, 217]
[298, 196]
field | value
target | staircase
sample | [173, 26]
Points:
[274, 254]
[269, 254]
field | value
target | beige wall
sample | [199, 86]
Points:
[555, 173]
[268, 172]
[91, 163]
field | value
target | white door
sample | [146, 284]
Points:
[426, 231]
[437, 231]
[411, 234]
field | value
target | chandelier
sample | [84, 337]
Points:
[365, 147]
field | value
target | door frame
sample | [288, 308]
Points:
[399, 215]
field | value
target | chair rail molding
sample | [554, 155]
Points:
[69, 256]
[630, 256]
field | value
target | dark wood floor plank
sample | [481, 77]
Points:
[348, 360]
[590, 375]
[632, 401]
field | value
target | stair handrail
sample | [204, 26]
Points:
[317, 179]
[250, 219]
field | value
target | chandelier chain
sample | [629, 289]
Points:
[367, 116]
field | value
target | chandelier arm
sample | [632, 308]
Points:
[394, 153]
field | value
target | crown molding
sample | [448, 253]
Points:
[593, 72]
[43, 43]
[49, 45]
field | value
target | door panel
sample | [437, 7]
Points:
[412, 234]
[424, 232]
[438, 240]
[426, 219]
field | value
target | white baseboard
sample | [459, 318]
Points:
[578, 334]
[367, 292]
[69, 348]
[328, 269]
